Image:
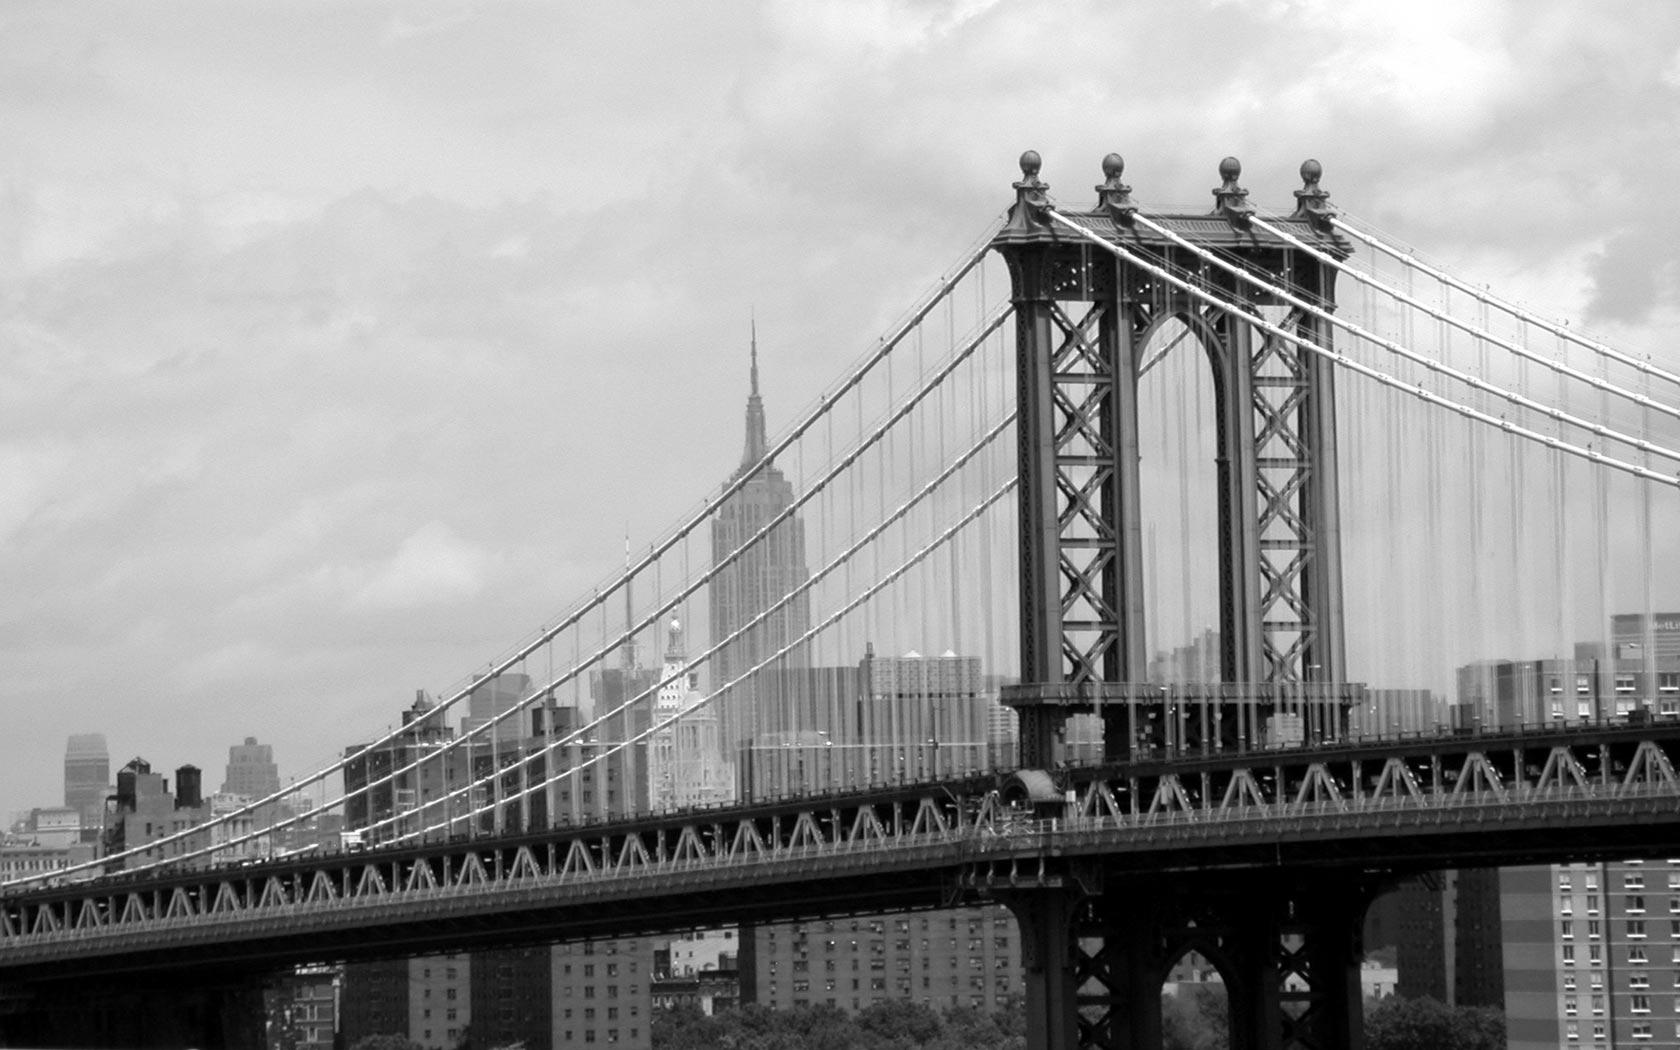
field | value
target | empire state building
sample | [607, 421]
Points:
[764, 573]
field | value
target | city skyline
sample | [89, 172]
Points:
[260, 477]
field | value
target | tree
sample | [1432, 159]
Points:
[1428, 1024]
[893, 1020]
[382, 1042]
[1197, 1018]
[683, 1028]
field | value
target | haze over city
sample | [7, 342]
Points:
[340, 346]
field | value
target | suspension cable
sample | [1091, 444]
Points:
[810, 633]
[1555, 414]
[855, 377]
[929, 385]
[1509, 308]
[1561, 368]
[1365, 370]
[836, 562]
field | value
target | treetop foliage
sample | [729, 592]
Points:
[892, 1025]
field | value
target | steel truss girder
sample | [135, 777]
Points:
[1495, 798]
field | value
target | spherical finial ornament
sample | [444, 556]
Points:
[1311, 171]
[1230, 169]
[1113, 166]
[1030, 163]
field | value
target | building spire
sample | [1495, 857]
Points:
[756, 442]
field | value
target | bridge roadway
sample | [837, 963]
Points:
[1549, 794]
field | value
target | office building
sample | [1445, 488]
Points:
[251, 770]
[87, 779]
[886, 720]
[403, 785]
[765, 572]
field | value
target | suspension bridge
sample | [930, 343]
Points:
[1219, 504]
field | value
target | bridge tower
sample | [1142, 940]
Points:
[1099, 948]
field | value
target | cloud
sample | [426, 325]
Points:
[1635, 273]
[344, 348]
[28, 475]
[431, 567]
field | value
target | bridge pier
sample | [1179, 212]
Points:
[1287, 945]
[136, 1013]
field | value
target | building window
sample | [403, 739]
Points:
[1642, 1029]
[1636, 929]
[1633, 880]
[1636, 955]
[1598, 1005]
[1568, 983]
[1569, 955]
[1636, 904]
[1639, 981]
[1624, 683]
[1592, 904]
[1567, 930]
[1570, 1006]
[1592, 928]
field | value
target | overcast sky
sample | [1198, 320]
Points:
[340, 343]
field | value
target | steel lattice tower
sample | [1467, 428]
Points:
[1097, 949]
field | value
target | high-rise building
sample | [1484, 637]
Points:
[603, 992]
[251, 770]
[685, 760]
[543, 995]
[87, 778]
[394, 788]
[1590, 952]
[1592, 955]
[764, 573]
[1636, 636]
[888, 719]
[427, 1000]
[958, 957]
